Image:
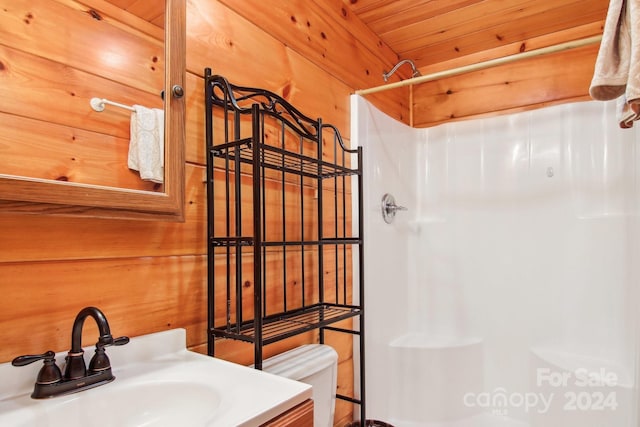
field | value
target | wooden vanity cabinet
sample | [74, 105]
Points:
[299, 416]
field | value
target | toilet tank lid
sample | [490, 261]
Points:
[301, 362]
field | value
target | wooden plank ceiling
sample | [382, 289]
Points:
[149, 10]
[440, 31]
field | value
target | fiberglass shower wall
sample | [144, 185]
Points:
[507, 294]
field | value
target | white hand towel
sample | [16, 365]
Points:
[146, 148]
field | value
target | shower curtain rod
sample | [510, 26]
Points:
[481, 65]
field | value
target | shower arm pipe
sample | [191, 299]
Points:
[414, 70]
[482, 65]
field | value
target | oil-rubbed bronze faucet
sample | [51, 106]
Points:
[51, 382]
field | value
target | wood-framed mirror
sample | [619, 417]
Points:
[47, 78]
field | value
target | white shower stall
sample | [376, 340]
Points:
[507, 294]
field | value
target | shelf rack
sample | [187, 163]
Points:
[281, 248]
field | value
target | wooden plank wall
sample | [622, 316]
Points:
[522, 85]
[148, 276]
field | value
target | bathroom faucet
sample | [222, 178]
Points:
[75, 366]
[51, 382]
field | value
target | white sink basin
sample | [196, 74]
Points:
[156, 404]
[158, 383]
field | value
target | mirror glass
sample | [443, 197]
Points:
[60, 155]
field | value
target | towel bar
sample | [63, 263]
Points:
[98, 104]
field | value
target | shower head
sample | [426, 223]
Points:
[415, 72]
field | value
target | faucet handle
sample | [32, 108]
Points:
[120, 341]
[49, 373]
[106, 341]
[30, 358]
[100, 361]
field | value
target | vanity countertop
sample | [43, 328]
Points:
[158, 383]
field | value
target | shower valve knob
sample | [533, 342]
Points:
[395, 208]
[389, 208]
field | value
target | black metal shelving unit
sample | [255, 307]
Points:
[281, 246]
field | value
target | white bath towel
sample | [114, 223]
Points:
[146, 148]
[617, 71]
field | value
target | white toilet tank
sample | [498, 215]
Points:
[314, 364]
